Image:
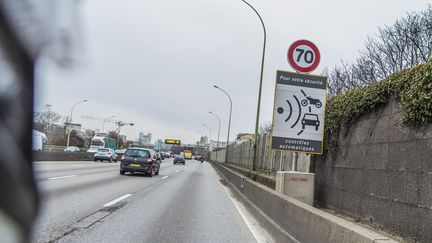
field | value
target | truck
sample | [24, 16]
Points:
[39, 139]
[187, 154]
[102, 142]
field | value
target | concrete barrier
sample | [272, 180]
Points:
[298, 185]
[61, 156]
[305, 223]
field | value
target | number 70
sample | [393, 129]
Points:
[308, 56]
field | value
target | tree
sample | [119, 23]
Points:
[265, 127]
[44, 119]
[408, 42]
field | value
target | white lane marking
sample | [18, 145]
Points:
[163, 178]
[61, 177]
[117, 200]
[258, 233]
[177, 171]
[76, 165]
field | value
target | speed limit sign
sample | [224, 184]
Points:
[303, 56]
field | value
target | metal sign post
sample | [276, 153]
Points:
[298, 118]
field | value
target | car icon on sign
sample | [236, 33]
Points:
[310, 120]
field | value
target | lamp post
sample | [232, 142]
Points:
[229, 121]
[121, 124]
[105, 120]
[260, 86]
[48, 110]
[210, 147]
[70, 121]
[217, 144]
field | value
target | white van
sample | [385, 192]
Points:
[39, 139]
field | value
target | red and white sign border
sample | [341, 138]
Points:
[294, 65]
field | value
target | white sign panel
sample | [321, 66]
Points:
[298, 112]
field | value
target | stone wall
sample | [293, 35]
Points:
[381, 174]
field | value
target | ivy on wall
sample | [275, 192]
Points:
[412, 87]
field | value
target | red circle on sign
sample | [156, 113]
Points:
[292, 61]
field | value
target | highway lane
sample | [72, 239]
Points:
[68, 199]
[182, 204]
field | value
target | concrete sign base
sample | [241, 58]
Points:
[298, 185]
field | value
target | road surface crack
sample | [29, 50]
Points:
[87, 221]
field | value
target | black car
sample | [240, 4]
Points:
[140, 160]
[179, 159]
[199, 158]
[310, 120]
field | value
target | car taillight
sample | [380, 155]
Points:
[122, 158]
[149, 161]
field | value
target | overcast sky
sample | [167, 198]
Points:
[153, 62]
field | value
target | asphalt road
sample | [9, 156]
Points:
[91, 202]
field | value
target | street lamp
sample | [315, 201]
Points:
[70, 121]
[260, 86]
[217, 144]
[121, 124]
[105, 120]
[229, 121]
[210, 147]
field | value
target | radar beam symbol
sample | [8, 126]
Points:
[281, 110]
[307, 101]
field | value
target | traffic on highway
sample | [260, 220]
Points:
[84, 201]
[215, 121]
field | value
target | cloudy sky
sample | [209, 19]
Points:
[153, 62]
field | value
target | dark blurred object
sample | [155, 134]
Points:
[19, 198]
[27, 29]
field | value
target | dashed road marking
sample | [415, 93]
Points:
[177, 171]
[61, 177]
[163, 178]
[117, 200]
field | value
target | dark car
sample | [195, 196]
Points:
[310, 120]
[179, 159]
[199, 158]
[140, 160]
[119, 153]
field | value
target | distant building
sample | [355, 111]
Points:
[141, 138]
[159, 143]
[144, 138]
[244, 137]
[72, 127]
[214, 144]
[203, 140]
[57, 129]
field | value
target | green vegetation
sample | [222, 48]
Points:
[412, 87]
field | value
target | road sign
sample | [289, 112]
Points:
[303, 56]
[298, 112]
[172, 141]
